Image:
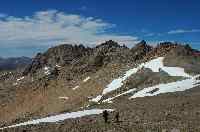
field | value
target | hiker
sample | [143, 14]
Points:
[105, 116]
[117, 117]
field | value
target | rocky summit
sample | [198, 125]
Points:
[110, 87]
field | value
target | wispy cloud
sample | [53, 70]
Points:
[181, 31]
[45, 28]
[171, 32]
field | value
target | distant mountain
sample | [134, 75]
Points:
[14, 63]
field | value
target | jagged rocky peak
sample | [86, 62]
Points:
[109, 52]
[108, 44]
[59, 55]
[64, 54]
[142, 45]
[140, 50]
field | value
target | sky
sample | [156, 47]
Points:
[31, 26]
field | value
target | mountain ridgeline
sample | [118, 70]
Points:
[109, 52]
[14, 63]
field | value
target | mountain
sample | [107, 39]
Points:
[152, 88]
[14, 63]
[76, 56]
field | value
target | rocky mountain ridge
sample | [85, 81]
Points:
[103, 54]
[70, 78]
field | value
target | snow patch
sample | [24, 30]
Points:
[117, 83]
[86, 79]
[15, 84]
[96, 99]
[21, 78]
[60, 117]
[109, 100]
[155, 65]
[75, 88]
[58, 66]
[176, 71]
[65, 98]
[167, 88]
[47, 70]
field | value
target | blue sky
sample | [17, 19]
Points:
[31, 26]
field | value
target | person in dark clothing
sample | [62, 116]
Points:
[117, 117]
[105, 116]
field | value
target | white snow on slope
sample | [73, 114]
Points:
[176, 71]
[75, 88]
[47, 70]
[65, 98]
[96, 99]
[15, 84]
[21, 78]
[58, 66]
[117, 83]
[169, 87]
[86, 79]
[155, 65]
[109, 100]
[61, 117]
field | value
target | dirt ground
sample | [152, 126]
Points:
[171, 112]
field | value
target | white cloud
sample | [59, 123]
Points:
[46, 28]
[181, 31]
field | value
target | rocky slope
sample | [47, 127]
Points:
[69, 78]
